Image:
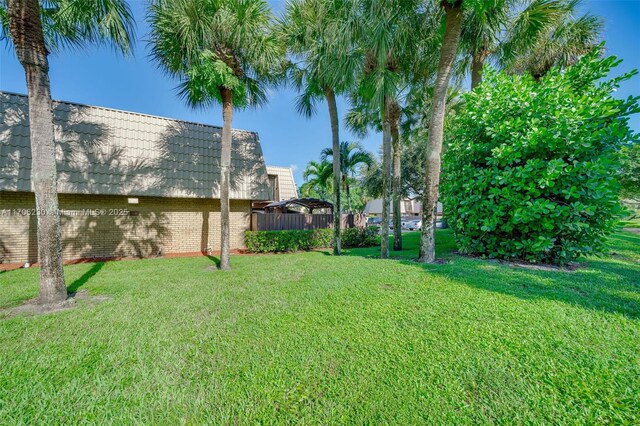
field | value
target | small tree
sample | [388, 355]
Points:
[317, 179]
[532, 168]
[352, 157]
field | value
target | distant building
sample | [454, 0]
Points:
[282, 187]
[408, 208]
[282, 184]
[129, 184]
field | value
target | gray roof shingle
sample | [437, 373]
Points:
[112, 152]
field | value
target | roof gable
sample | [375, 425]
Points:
[287, 188]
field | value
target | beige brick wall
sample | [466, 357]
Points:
[167, 225]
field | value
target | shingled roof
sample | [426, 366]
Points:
[112, 152]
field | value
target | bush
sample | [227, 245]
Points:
[286, 241]
[360, 237]
[531, 169]
[296, 240]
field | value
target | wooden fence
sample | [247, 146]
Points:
[283, 221]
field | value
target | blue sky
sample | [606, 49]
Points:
[100, 77]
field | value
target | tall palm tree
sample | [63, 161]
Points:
[319, 35]
[36, 28]
[352, 157]
[359, 119]
[317, 177]
[393, 32]
[448, 51]
[223, 52]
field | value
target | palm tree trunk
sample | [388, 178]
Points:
[477, 64]
[335, 144]
[396, 180]
[27, 35]
[386, 184]
[345, 187]
[225, 174]
[453, 21]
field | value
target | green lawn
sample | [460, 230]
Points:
[631, 223]
[311, 338]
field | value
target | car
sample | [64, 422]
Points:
[374, 221]
[414, 225]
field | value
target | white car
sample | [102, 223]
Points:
[413, 225]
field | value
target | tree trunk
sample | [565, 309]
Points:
[335, 144]
[386, 182]
[453, 20]
[225, 174]
[396, 178]
[477, 63]
[347, 191]
[27, 35]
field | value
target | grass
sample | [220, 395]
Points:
[633, 222]
[310, 338]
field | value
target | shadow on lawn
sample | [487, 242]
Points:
[215, 260]
[600, 284]
[73, 288]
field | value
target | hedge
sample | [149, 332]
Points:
[297, 240]
[361, 237]
[286, 241]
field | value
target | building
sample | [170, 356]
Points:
[129, 184]
[282, 187]
[282, 183]
[409, 208]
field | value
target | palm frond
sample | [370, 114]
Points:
[78, 23]
[230, 44]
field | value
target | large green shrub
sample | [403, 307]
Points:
[289, 240]
[531, 169]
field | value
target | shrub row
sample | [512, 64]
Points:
[297, 240]
[289, 240]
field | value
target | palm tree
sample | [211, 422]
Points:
[525, 35]
[480, 36]
[35, 29]
[393, 32]
[317, 177]
[223, 52]
[560, 42]
[352, 156]
[360, 118]
[319, 35]
[450, 42]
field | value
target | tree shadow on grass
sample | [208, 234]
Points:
[73, 288]
[609, 288]
[609, 283]
[215, 260]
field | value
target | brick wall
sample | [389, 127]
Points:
[167, 225]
